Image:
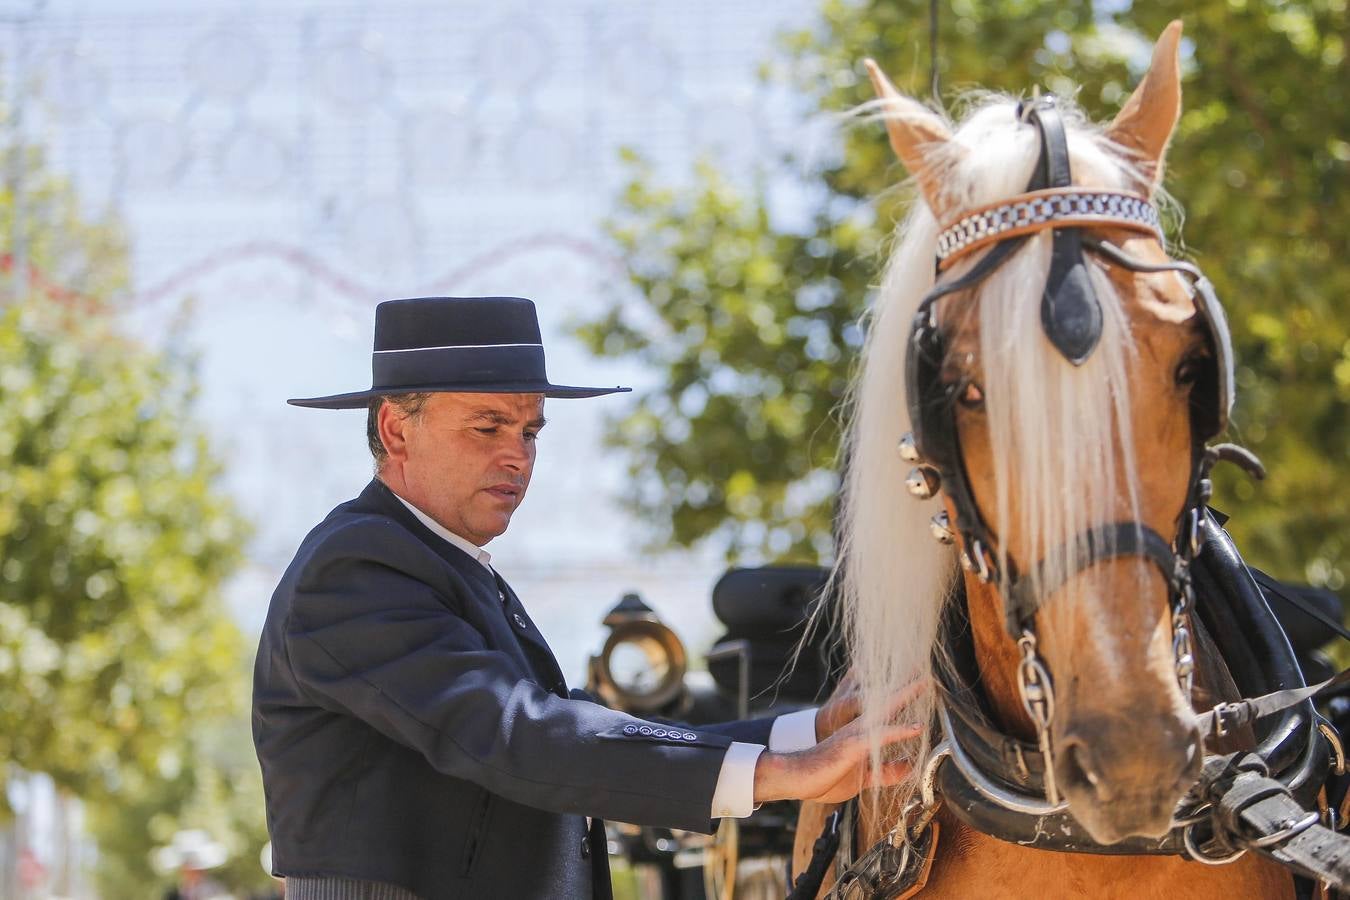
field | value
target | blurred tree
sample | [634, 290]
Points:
[118, 660]
[749, 316]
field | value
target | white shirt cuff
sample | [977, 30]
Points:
[734, 796]
[793, 731]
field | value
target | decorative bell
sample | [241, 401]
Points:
[923, 481]
[909, 451]
[941, 528]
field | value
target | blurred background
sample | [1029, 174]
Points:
[200, 205]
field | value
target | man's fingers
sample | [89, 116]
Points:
[907, 695]
[902, 731]
[890, 774]
[844, 709]
[847, 708]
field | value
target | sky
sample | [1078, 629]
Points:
[281, 167]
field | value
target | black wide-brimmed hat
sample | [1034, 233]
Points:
[475, 345]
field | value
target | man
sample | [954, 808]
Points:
[416, 737]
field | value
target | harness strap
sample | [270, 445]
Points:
[1225, 717]
[808, 884]
[1255, 812]
[1105, 542]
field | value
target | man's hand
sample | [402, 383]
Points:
[832, 771]
[845, 704]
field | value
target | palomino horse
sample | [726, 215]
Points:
[1068, 388]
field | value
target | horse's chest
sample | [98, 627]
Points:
[971, 864]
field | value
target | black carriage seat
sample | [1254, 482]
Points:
[1304, 612]
[768, 606]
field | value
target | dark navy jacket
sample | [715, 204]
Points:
[414, 728]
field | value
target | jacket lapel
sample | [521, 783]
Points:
[378, 497]
[528, 634]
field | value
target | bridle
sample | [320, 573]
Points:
[1246, 800]
[1072, 320]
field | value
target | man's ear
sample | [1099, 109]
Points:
[393, 428]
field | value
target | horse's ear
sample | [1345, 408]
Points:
[1146, 121]
[914, 130]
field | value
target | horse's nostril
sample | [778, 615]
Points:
[1077, 769]
[1190, 772]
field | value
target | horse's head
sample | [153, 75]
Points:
[1062, 393]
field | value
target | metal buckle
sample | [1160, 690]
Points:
[1334, 739]
[1188, 842]
[1223, 709]
[1286, 833]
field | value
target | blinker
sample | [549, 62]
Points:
[1208, 303]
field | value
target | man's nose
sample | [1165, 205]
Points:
[516, 453]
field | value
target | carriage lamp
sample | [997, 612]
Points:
[642, 665]
[923, 481]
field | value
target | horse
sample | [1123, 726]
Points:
[1061, 374]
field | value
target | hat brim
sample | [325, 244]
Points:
[361, 399]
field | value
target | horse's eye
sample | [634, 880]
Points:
[1190, 369]
[972, 397]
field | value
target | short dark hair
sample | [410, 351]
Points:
[409, 406]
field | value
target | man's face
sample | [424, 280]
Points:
[469, 458]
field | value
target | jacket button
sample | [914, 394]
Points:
[520, 620]
[586, 847]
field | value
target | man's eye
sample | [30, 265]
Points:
[531, 435]
[491, 430]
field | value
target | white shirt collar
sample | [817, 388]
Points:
[436, 528]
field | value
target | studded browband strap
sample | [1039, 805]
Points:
[1061, 207]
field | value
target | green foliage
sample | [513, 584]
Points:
[122, 675]
[744, 317]
[113, 540]
[71, 258]
[756, 330]
[115, 651]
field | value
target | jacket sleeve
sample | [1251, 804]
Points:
[748, 731]
[370, 636]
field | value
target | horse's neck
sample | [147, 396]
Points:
[996, 656]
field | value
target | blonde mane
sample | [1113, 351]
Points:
[1060, 434]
